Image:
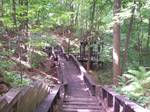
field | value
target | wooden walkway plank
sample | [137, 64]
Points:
[78, 97]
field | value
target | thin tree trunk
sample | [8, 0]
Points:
[1, 8]
[128, 38]
[148, 39]
[116, 42]
[24, 22]
[138, 44]
[93, 13]
[27, 20]
[89, 43]
[1, 14]
[14, 12]
[77, 14]
[89, 55]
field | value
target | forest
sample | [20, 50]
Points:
[115, 31]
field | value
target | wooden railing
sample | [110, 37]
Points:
[61, 77]
[24, 100]
[88, 80]
[113, 102]
[49, 103]
[37, 97]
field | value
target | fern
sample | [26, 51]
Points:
[136, 85]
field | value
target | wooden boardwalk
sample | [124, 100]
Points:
[81, 94]
[78, 96]
[77, 92]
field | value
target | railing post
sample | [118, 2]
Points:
[116, 106]
[98, 91]
[126, 108]
[93, 90]
[104, 93]
[109, 100]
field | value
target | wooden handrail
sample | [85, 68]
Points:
[51, 100]
[88, 80]
[48, 104]
[113, 102]
[23, 99]
[62, 79]
[3, 102]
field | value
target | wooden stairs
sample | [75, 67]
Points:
[90, 104]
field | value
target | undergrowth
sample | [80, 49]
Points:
[105, 77]
[15, 79]
[135, 84]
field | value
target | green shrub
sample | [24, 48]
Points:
[37, 58]
[15, 79]
[6, 64]
[135, 84]
[39, 42]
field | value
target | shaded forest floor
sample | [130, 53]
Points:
[102, 77]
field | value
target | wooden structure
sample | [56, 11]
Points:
[109, 100]
[77, 92]
[24, 100]
[113, 102]
[90, 53]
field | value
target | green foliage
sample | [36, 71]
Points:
[9, 76]
[6, 64]
[136, 85]
[15, 79]
[36, 58]
[39, 42]
[105, 77]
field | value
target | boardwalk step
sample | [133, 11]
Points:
[79, 103]
[81, 107]
[80, 99]
[80, 110]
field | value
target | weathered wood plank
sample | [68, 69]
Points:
[3, 103]
[24, 99]
[47, 104]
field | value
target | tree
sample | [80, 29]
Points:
[128, 37]
[91, 29]
[148, 38]
[1, 8]
[116, 42]
[14, 12]
[24, 16]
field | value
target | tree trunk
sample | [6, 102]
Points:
[1, 15]
[14, 13]
[77, 14]
[24, 21]
[116, 42]
[1, 8]
[148, 39]
[128, 38]
[93, 13]
[89, 55]
[91, 28]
